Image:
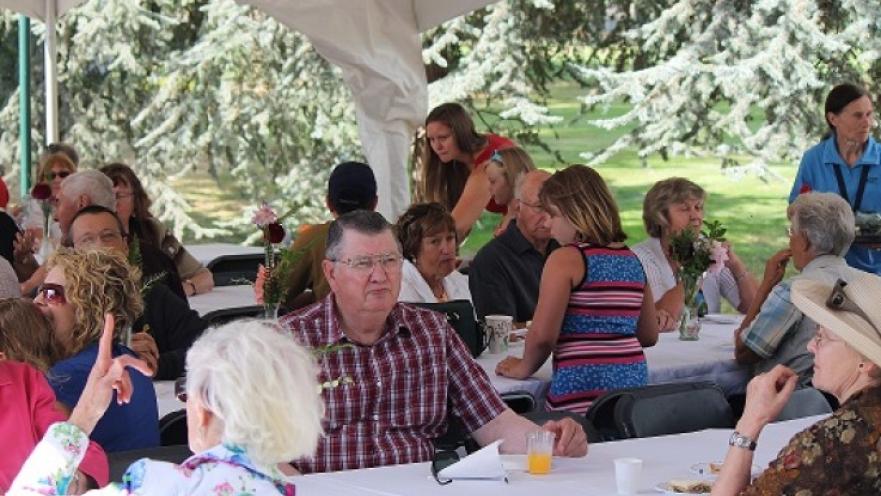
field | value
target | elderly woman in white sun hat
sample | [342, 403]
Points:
[837, 455]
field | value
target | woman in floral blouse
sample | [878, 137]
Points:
[840, 454]
[252, 405]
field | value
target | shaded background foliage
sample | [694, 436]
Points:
[173, 86]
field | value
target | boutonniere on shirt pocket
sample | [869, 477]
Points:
[321, 352]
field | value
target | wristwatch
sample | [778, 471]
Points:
[739, 440]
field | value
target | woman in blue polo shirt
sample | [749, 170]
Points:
[80, 288]
[847, 162]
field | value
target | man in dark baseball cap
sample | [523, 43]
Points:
[351, 186]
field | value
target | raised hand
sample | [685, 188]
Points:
[145, 347]
[766, 395]
[108, 375]
[775, 267]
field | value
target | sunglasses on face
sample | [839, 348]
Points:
[50, 176]
[180, 388]
[52, 293]
[441, 460]
[838, 300]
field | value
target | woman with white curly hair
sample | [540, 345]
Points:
[252, 405]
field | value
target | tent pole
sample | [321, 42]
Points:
[24, 102]
[51, 78]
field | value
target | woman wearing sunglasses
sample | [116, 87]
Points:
[79, 289]
[837, 455]
[53, 169]
[504, 169]
[26, 351]
[251, 407]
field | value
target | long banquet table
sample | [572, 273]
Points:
[711, 358]
[222, 297]
[664, 458]
[209, 252]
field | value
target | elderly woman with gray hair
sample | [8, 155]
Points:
[774, 331]
[252, 405]
[671, 206]
[839, 454]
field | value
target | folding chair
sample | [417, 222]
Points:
[804, 402]
[660, 410]
[460, 315]
[230, 270]
[173, 429]
[224, 315]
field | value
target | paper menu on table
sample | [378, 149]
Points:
[482, 464]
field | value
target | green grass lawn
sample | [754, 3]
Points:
[754, 211]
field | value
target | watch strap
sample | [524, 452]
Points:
[740, 441]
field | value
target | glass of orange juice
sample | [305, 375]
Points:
[539, 452]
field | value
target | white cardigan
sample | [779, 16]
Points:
[414, 289]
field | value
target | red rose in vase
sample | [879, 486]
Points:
[274, 233]
[41, 191]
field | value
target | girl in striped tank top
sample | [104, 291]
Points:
[595, 312]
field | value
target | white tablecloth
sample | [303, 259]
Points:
[206, 253]
[711, 358]
[223, 297]
[664, 458]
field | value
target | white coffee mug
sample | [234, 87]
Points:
[499, 327]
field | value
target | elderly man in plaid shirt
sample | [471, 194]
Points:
[396, 373]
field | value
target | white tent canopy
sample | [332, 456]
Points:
[376, 44]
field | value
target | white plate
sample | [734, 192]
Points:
[703, 469]
[723, 318]
[664, 487]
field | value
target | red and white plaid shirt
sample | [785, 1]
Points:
[403, 389]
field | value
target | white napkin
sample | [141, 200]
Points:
[482, 464]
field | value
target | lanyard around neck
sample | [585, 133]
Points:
[861, 187]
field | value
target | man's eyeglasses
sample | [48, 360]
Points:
[50, 176]
[838, 300]
[105, 237]
[537, 207]
[390, 262]
[52, 293]
[441, 460]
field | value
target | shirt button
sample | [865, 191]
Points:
[378, 383]
[376, 416]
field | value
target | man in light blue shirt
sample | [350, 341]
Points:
[774, 331]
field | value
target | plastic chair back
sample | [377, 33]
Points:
[804, 402]
[660, 410]
[460, 315]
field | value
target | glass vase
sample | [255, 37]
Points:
[689, 323]
[270, 310]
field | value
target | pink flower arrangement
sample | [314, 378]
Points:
[264, 216]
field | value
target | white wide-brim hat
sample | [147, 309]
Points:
[865, 292]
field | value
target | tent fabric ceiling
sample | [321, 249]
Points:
[377, 46]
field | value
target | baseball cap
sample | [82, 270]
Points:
[351, 186]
